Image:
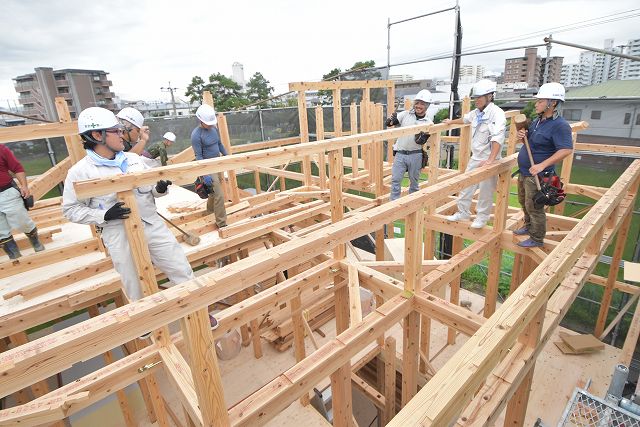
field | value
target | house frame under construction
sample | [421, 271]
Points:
[305, 232]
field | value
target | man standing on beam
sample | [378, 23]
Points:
[407, 151]
[488, 123]
[101, 135]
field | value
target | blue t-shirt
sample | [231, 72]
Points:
[546, 137]
[206, 143]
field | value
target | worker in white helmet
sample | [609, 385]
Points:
[136, 135]
[101, 135]
[159, 149]
[549, 137]
[488, 124]
[206, 143]
[408, 149]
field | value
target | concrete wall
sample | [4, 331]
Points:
[611, 121]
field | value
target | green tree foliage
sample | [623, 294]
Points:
[441, 115]
[258, 89]
[530, 110]
[360, 72]
[226, 93]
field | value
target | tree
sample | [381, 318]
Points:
[530, 110]
[359, 71]
[258, 89]
[226, 93]
[326, 96]
[441, 115]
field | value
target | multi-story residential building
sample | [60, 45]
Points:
[472, 73]
[631, 69]
[80, 89]
[530, 68]
[596, 67]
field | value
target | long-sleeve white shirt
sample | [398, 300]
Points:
[486, 127]
[92, 210]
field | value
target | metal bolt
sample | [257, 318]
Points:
[148, 366]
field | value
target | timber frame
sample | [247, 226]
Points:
[493, 369]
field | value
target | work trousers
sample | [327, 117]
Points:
[166, 254]
[215, 202]
[535, 219]
[13, 214]
[485, 197]
[402, 163]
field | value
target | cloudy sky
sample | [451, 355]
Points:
[146, 44]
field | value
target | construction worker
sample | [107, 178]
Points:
[159, 149]
[101, 134]
[206, 144]
[13, 212]
[487, 129]
[549, 137]
[408, 149]
[136, 135]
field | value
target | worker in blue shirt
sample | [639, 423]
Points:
[206, 144]
[549, 137]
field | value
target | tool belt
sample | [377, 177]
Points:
[6, 187]
[409, 151]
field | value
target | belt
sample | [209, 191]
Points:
[6, 187]
[409, 152]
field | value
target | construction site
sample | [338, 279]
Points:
[335, 304]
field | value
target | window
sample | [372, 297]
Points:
[638, 120]
[72, 114]
[573, 115]
[627, 118]
[63, 90]
[69, 102]
[96, 78]
[595, 115]
[60, 77]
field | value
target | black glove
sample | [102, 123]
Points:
[162, 185]
[421, 138]
[117, 211]
[393, 120]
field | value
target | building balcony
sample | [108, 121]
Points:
[63, 82]
[106, 83]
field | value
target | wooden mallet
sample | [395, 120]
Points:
[521, 123]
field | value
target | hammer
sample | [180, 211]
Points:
[521, 123]
[190, 238]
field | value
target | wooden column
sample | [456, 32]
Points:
[337, 113]
[196, 330]
[411, 330]
[614, 267]
[391, 108]
[517, 406]
[434, 165]
[226, 141]
[304, 135]
[364, 127]
[565, 174]
[353, 115]
[322, 160]
[377, 178]
[465, 138]
[73, 142]
[495, 257]
[389, 380]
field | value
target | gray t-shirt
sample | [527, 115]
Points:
[408, 118]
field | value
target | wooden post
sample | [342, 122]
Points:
[391, 108]
[355, 307]
[512, 139]
[465, 138]
[411, 330]
[256, 180]
[434, 165]
[304, 135]
[226, 141]
[517, 406]
[565, 174]
[109, 359]
[322, 161]
[207, 98]
[377, 171]
[196, 330]
[495, 257]
[337, 113]
[335, 191]
[73, 142]
[299, 348]
[614, 267]
[389, 380]
[364, 127]
[353, 115]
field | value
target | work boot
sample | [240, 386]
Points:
[10, 247]
[35, 242]
[522, 231]
[530, 243]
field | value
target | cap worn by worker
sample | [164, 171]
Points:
[96, 118]
[131, 115]
[206, 114]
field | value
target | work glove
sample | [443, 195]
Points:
[207, 180]
[162, 185]
[117, 211]
[393, 120]
[421, 138]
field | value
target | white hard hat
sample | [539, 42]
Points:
[96, 118]
[424, 95]
[551, 91]
[170, 136]
[483, 87]
[206, 114]
[131, 115]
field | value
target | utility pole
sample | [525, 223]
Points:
[173, 99]
[545, 76]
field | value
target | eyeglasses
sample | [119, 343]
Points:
[118, 131]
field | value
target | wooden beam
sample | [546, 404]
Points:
[389, 379]
[454, 316]
[342, 84]
[39, 131]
